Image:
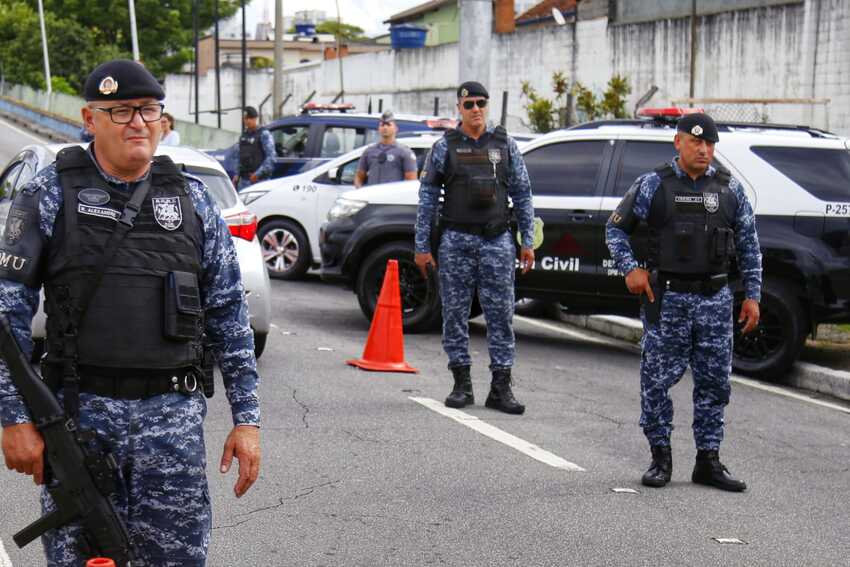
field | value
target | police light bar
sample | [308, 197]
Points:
[441, 123]
[668, 112]
[320, 107]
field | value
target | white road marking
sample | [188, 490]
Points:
[28, 135]
[4, 557]
[497, 434]
[568, 332]
[773, 389]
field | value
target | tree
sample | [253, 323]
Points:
[345, 32]
[73, 52]
[164, 26]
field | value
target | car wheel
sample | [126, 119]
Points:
[420, 302]
[286, 250]
[769, 351]
[259, 344]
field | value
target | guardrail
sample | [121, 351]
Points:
[60, 113]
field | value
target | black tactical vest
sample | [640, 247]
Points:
[123, 331]
[251, 154]
[691, 232]
[476, 183]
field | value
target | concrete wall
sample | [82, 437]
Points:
[791, 50]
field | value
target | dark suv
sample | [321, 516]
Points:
[311, 138]
[797, 179]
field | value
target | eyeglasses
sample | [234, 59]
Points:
[480, 103]
[125, 114]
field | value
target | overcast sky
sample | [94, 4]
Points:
[368, 14]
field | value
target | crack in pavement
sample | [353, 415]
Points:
[302, 493]
[303, 407]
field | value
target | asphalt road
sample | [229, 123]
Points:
[355, 472]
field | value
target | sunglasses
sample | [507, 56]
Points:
[470, 104]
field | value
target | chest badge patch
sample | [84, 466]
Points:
[167, 212]
[93, 197]
[711, 202]
[15, 226]
[495, 156]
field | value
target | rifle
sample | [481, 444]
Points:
[85, 477]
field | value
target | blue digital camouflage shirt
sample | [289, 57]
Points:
[225, 309]
[519, 190]
[746, 239]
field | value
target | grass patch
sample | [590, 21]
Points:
[844, 328]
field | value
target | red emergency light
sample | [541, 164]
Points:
[321, 107]
[441, 123]
[668, 112]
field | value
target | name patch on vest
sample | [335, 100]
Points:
[102, 212]
[689, 198]
[167, 212]
[17, 262]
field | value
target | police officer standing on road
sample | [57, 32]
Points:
[699, 218]
[112, 234]
[386, 161]
[256, 151]
[478, 167]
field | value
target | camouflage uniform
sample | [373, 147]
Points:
[694, 329]
[158, 441]
[467, 261]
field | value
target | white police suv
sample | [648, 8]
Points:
[797, 179]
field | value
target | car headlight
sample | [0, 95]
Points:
[345, 208]
[249, 197]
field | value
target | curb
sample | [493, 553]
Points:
[804, 375]
[37, 121]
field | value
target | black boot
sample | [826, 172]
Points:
[661, 468]
[501, 397]
[461, 395]
[709, 470]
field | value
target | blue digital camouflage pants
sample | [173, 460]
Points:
[694, 330]
[467, 262]
[162, 497]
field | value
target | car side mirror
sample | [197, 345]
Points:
[333, 173]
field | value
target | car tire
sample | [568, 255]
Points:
[771, 349]
[420, 302]
[286, 250]
[260, 344]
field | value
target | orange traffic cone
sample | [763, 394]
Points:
[384, 350]
[100, 562]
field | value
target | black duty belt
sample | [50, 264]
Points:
[152, 383]
[490, 230]
[705, 285]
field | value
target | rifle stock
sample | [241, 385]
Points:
[83, 477]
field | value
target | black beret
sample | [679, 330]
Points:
[471, 88]
[121, 79]
[700, 125]
[251, 112]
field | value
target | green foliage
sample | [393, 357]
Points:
[260, 62]
[345, 32]
[541, 111]
[613, 101]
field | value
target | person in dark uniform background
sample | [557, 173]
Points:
[256, 151]
[134, 378]
[479, 167]
[699, 220]
[388, 160]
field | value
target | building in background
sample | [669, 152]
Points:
[440, 17]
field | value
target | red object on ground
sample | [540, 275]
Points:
[384, 350]
[100, 562]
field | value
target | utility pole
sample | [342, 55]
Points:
[197, 74]
[339, 51]
[217, 69]
[693, 47]
[244, 61]
[133, 33]
[44, 47]
[277, 91]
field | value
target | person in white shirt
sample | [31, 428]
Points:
[170, 136]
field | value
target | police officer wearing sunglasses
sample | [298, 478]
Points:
[112, 232]
[386, 161]
[477, 167]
